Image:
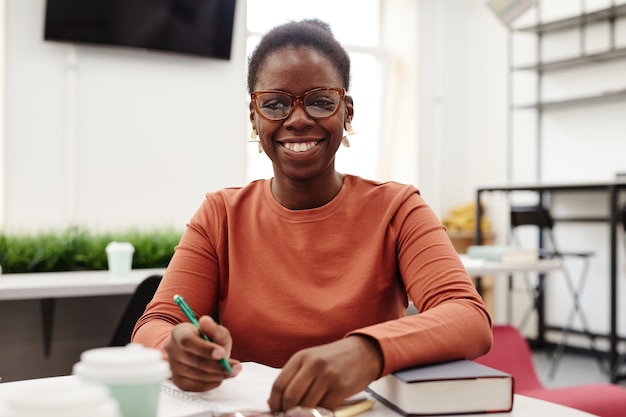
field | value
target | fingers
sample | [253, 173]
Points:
[298, 393]
[194, 361]
[305, 382]
[219, 335]
[326, 375]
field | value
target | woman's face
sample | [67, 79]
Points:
[301, 148]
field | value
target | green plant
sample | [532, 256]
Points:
[76, 248]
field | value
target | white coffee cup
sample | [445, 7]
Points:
[133, 373]
[120, 257]
[61, 398]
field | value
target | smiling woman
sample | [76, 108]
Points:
[312, 243]
[361, 38]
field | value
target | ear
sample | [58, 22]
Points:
[251, 115]
[349, 108]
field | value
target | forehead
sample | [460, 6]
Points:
[297, 69]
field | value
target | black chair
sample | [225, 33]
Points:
[622, 356]
[540, 217]
[624, 221]
[134, 309]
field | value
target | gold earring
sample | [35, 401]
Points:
[254, 138]
[349, 131]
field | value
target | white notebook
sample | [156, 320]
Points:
[248, 391]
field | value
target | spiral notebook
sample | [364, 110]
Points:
[249, 390]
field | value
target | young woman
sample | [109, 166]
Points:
[312, 270]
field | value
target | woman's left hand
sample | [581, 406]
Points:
[326, 375]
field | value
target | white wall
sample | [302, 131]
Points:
[112, 138]
[463, 68]
[108, 138]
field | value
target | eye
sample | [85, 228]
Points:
[274, 105]
[274, 102]
[324, 100]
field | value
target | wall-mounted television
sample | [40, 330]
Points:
[195, 27]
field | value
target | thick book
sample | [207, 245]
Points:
[456, 387]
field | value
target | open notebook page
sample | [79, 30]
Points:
[248, 391]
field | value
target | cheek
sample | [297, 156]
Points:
[261, 126]
[335, 127]
[265, 132]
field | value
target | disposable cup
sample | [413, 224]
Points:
[120, 258]
[133, 373]
[67, 398]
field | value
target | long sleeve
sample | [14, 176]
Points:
[283, 280]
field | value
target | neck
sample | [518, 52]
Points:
[302, 195]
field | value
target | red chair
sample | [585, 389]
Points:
[510, 353]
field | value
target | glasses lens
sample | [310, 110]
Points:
[322, 103]
[273, 105]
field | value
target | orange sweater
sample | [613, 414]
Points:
[287, 279]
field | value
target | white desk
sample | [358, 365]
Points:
[38, 285]
[477, 267]
[522, 406]
[47, 286]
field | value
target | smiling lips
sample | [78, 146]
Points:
[300, 146]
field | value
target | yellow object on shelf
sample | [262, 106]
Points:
[461, 225]
[463, 218]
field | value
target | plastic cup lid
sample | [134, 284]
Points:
[114, 246]
[130, 364]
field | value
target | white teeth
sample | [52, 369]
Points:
[300, 147]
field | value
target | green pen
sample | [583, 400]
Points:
[192, 318]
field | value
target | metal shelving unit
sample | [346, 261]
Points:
[578, 25]
[580, 22]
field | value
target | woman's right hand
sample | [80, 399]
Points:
[194, 362]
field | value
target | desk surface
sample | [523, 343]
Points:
[39, 285]
[578, 186]
[522, 406]
[70, 284]
[477, 267]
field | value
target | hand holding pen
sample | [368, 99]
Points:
[191, 316]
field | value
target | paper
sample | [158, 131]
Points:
[249, 390]
[472, 262]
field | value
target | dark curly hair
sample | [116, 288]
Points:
[312, 33]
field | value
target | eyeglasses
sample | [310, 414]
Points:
[319, 103]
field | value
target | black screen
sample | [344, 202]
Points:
[197, 27]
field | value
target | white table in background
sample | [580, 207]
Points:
[476, 267]
[48, 286]
[38, 285]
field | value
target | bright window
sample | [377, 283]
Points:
[356, 24]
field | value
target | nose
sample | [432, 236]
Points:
[298, 116]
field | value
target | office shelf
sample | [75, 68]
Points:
[560, 75]
[578, 26]
[602, 15]
[574, 100]
[576, 61]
